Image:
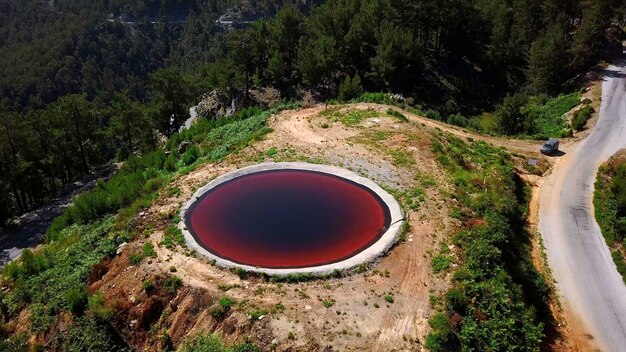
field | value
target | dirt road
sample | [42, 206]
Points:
[590, 287]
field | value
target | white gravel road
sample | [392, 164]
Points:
[589, 285]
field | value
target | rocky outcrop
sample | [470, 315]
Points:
[216, 104]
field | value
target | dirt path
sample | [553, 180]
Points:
[592, 290]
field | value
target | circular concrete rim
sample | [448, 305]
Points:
[370, 253]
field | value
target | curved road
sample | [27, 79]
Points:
[587, 279]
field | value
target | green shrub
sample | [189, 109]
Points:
[98, 307]
[457, 120]
[218, 312]
[400, 116]
[610, 208]
[389, 298]
[441, 262]
[223, 140]
[255, 315]
[58, 224]
[28, 264]
[154, 184]
[432, 114]
[148, 286]
[545, 116]
[13, 270]
[456, 300]
[148, 250]
[245, 347]
[441, 339]
[171, 164]
[241, 273]
[15, 344]
[172, 284]
[170, 236]
[76, 299]
[89, 334]
[222, 308]
[190, 156]
[381, 98]
[175, 233]
[135, 258]
[123, 189]
[328, 303]
[293, 278]
[581, 116]
[226, 302]
[511, 116]
[350, 88]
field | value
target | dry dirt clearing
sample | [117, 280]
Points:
[348, 313]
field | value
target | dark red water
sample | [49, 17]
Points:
[287, 219]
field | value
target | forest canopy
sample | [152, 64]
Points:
[84, 83]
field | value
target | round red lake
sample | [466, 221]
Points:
[287, 219]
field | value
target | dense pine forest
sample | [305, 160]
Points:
[85, 83]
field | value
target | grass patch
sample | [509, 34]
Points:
[547, 114]
[401, 157]
[398, 115]
[442, 260]
[328, 303]
[214, 343]
[148, 250]
[610, 209]
[413, 197]
[135, 258]
[61, 285]
[351, 117]
[498, 301]
[173, 236]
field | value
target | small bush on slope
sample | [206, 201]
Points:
[580, 118]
